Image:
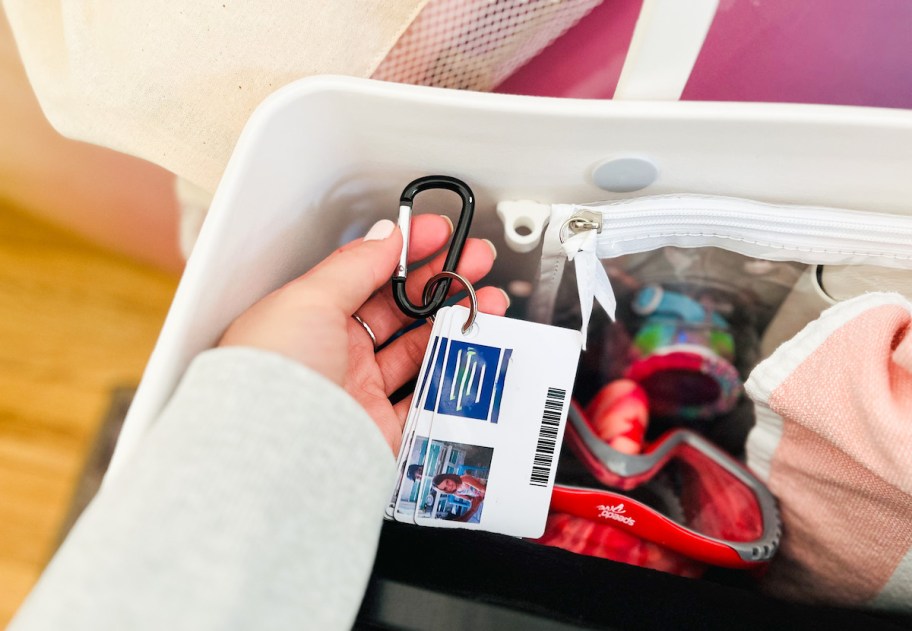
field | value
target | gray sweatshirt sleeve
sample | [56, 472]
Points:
[255, 502]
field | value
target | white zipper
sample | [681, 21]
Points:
[781, 233]
[587, 233]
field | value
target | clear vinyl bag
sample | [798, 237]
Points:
[707, 300]
[729, 279]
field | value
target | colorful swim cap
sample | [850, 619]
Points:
[682, 357]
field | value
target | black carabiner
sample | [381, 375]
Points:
[460, 234]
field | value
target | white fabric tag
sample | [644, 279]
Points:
[591, 278]
[553, 259]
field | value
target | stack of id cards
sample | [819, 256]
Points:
[485, 426]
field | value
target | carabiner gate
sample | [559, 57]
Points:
[460, 234]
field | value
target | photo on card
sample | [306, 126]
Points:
[454, 481]
[405, 457]
[411, 480]
[467, 380]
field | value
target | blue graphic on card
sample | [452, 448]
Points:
[471, 383]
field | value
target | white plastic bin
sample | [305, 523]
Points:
[323, 158]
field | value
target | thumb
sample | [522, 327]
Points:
[349, 276]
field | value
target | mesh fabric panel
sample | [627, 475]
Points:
[476, 44]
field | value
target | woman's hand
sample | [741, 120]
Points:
[309, 319]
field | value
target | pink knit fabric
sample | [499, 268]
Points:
[842, 470]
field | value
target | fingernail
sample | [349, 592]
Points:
[380, 230]
[449, 221]
[491, 245]
[506, 297]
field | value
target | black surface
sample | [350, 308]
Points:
[492, 572]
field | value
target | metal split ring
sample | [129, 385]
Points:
[473, 299]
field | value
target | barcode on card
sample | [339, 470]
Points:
[547, 437]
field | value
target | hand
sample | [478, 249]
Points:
[476, 503]
[309, 319]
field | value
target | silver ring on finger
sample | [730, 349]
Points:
[367, 329]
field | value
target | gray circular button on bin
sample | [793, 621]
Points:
[624, 175]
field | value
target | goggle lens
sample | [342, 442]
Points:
[713, 502]
[682, 493]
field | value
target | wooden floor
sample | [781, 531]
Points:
[76, 323]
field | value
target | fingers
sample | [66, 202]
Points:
[349, 276]
[352, 273]
[399, 362]
[429, 233]
[402, 408]
[385, 317]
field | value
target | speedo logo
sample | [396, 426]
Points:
[617, 513]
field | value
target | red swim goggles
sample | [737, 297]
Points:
[682, 493]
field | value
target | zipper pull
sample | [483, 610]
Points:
[582, 226]
[582, 221]
[579, 238]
